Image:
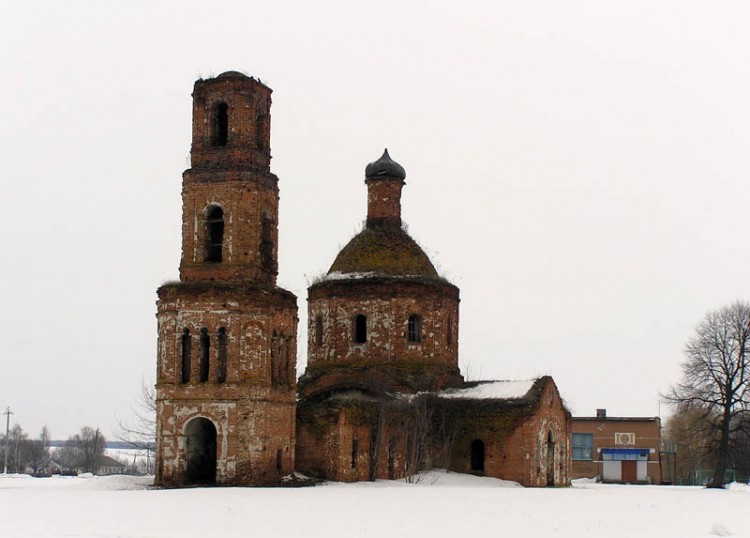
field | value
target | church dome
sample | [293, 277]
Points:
[385, 168]
[383, 251]
[232, 74]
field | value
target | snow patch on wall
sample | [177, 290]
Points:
[492, 390]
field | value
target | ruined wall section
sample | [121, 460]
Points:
[252, 409]
[249, 202]
[387, 304]
[515, 438]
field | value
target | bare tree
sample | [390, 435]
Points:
[418, 438]
[715, 380]
[38, 452]
[695, 439]
[140, 431]
[83, 450]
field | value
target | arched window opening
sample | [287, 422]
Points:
[200, 451]
[318, 331]
[449, 334]
[220, 125]
[221, 359]
[415, 328]
[277, 353]
[477, 455]
[186, 348]
[355, 450]
[550, 459]
[214, 234]
[205, 349]
[266, 244]
[360, 329]
[289, 361]
[260, 134]
[391, 458]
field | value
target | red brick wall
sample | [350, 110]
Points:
[515, 440]
[387, 305]
[384, 201]
[647, 432]
[245, 199]
[253, 418]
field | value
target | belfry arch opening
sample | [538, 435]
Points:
[220, 124]
[200, 451]
[214, 234]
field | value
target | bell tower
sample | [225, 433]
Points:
[230, 197]
[226, 366]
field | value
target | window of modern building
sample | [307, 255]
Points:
[360, 329]
[415, 328]
[583, 446]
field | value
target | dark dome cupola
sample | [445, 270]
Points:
[384, 179]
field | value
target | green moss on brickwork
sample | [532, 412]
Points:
[384, 250]
[399, 375]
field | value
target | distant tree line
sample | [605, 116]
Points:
[82, 452]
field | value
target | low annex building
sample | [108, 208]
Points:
[382, 395]
[621, 450]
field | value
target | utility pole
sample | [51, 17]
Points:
[7, 414]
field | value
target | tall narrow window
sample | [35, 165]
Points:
[205, 349]
[186, 349]
[355, 450]
[415, 328]
[260, 134]
[318, 331]
[220, 125]
[221, 359]
[274, 359]
[360, 329]
[290, 361]
[214, 234]
[449, 335]
[266, 244]
[279, 455]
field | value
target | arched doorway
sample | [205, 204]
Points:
[200, 451]
[477, 455]
[550, 459]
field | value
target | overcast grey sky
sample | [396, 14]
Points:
[579, 169]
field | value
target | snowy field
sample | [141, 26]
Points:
[441, 505]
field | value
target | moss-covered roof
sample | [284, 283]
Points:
[383, 250]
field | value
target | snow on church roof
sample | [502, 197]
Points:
[492, 390]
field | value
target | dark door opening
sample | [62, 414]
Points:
[477, 455]
[550, 460]
[200, 452]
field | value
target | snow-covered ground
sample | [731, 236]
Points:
[442, 504]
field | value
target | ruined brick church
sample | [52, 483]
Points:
[382, 395]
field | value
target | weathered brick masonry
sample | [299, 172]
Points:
[226, 372]
[382, 395]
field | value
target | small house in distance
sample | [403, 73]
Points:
[625, 450]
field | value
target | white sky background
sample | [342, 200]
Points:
[578, 169]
